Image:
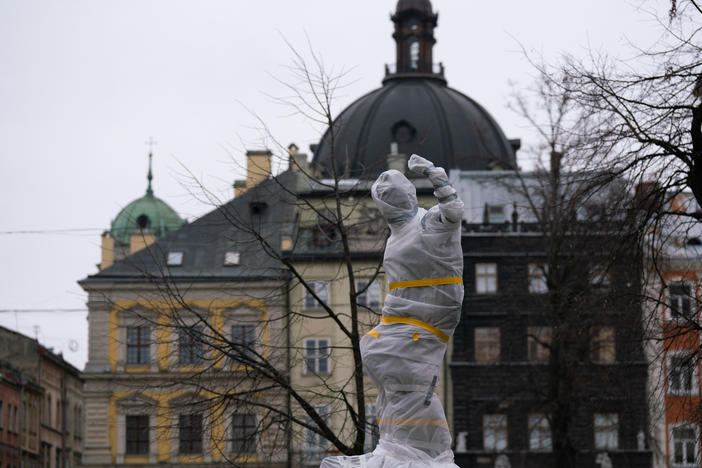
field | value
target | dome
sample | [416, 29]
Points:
[147, 212]
[422, 115]
[422, 6]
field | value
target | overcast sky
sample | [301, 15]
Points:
[83, 84]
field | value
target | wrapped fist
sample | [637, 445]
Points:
[419, 165]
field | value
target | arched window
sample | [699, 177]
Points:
[414, 53]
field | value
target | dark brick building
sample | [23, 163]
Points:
[506, 381]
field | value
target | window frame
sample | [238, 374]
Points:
[192, 358]
[175, 258]
[189, 445]
[684, 425]
[308, 301]
[317, 357]
[685, 300]
[483, 284]
[597, 344]
[143, 357]
[147, 428]
[248, 342]
[536, 352]
[497, 430]
[694, 375]
[498, 346]
[315, 445]
[374, 287]
[248, 440]
[611, 428]
[542, 426]
[536, 278]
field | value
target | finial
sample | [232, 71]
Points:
[149, 176]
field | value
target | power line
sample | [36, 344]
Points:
[23, 311]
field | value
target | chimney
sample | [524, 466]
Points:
[258, 167]
[297, 161]
[107, 248]
[396, 160]
[239, 187]
[139, 239]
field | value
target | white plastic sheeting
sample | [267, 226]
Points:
[402, 355]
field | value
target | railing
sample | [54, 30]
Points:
[436, 69]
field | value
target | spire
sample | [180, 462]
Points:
[149, 176]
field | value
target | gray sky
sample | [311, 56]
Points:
[83, 84]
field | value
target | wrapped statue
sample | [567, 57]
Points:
[424, 266]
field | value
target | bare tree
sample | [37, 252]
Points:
[585, 277]
[279, 231]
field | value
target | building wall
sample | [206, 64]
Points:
[114, 388]
[9, 438]
[512, 386]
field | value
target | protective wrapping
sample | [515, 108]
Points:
[424, 266]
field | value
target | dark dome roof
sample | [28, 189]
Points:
[423, 6]
[423, 116]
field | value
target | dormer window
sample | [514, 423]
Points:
[175, 258]
[231, 258]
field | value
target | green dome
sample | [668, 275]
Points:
[147, 212]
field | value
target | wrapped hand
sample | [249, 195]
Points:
[419, 165]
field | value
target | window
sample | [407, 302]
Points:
[602, 344]
[496, 213]
[15, 421]
[679, 301]
[137, 436]
[321, 288]
[537, 278]
[539, 432]
[487, 344]
[190, 433]
[599, 277]
[243, 433]
[370, 298]
[1, 424]
[684, 446]
[315, 444]
[231, 258]
[486, 278]
[316, 356]
[190, 348]
[606, 430]
[682, 374]
[538, 344]
[495, 432]
[414, 53]
[174, 258]
[244, 340]
[138, 345]
[372, 430]
[48, 410]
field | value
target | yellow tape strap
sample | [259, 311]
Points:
[426, 282]
[387, 319]
[413, 422]
[374, 333]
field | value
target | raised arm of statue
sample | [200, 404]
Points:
[450, 206]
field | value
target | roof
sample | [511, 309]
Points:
[232, 227]
[422, 6]
[147, 212]
[423, 116]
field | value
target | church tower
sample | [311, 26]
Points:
[414, 36]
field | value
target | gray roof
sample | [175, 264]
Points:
[267, 209]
